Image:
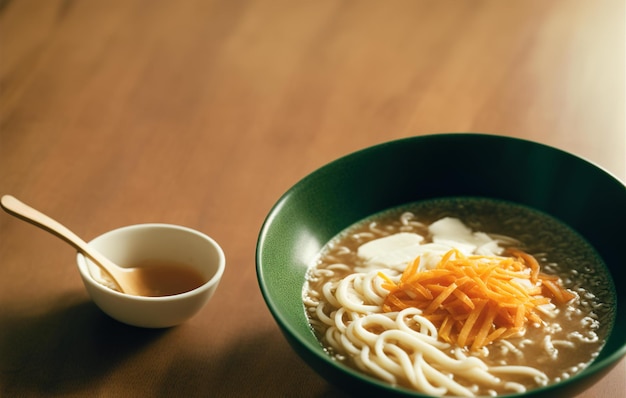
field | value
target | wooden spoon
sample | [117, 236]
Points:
[122, 277]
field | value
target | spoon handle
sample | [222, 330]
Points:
[21, 210]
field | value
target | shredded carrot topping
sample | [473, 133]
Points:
[474, 300]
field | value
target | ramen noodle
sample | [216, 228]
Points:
[461, 297]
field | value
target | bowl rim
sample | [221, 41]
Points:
[595, 367]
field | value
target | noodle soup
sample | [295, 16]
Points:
[527, 301]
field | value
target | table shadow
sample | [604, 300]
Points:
[64, 350]
[261, 365]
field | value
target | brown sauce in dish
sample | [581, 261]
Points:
[159, 279]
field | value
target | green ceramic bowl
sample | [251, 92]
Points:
[321, 205]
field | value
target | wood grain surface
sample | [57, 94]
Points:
[203, 112]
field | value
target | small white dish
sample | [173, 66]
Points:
[143, 243]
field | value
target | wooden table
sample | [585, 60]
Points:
[202, 113]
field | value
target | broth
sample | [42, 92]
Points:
[559, 348]
[166, 278]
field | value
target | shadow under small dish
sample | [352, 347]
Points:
[541, 197]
